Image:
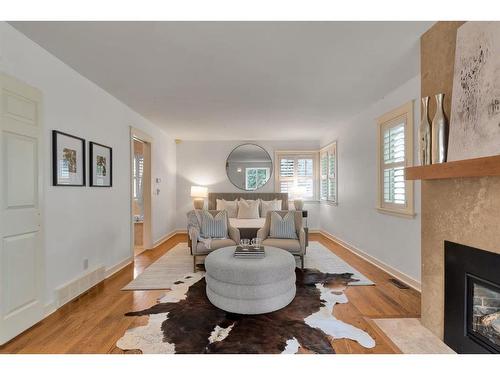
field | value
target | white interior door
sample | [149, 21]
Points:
[22, 277]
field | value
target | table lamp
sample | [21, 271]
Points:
[199, 193]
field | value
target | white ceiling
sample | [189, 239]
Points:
[239, 80]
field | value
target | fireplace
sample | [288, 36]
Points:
[472, 299]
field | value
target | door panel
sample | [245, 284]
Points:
[17, 106]
[22, 278]
[20, 165]
[21, 221]
[19, 270]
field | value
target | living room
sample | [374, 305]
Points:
[327, 187]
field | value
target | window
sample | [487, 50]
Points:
[395, 134]
[256, 177]
[138, 175]
[328, 173]
[296, 171]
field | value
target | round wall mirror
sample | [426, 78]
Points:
[249, 167]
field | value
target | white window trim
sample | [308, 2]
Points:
[406, 111]
[326, 149]
[277, 179]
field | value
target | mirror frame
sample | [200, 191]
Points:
[270, 169]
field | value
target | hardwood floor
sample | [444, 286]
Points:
[93, 322]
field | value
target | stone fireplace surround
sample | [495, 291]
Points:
[461, 210]
[464, 211]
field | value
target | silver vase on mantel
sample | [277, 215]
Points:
[424, 134]
[439, 141]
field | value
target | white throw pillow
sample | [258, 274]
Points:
[248, 209]
[266, 206]
[230, 206]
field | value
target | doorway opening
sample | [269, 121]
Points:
[140, 192]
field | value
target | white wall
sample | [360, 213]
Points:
[390, 239]
[204, 163]
[83, 222]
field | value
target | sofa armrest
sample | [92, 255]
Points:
[193, 235]
[234, 234]
[262, 234]
[302, 240]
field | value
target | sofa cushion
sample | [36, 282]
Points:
[283, 226]
[214, 226]
[292, 246]
[265, 206]
[248, 209]
[230, 206]
[214, 245]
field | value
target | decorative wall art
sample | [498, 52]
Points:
[475, 108]
[101, 165]
[68, 160]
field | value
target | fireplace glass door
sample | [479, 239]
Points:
[483, 312]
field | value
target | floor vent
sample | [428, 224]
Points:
[76, 287]
[399, 284]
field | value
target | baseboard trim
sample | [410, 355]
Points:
[414, 284]
[167, 237]
[49, 309]
[53, 306]
[117, 267]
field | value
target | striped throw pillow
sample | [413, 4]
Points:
[214, 226]
[283, 227]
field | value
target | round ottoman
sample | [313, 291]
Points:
[250, 286]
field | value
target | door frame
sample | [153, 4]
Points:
[147, 189]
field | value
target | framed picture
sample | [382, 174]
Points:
[475, 104]
[68, 159]
[101, 165]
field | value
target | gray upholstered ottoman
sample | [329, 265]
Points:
[250, 286]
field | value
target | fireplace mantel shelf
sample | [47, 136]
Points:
[480, 167]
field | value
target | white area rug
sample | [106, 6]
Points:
[320, 258]
[178, 262]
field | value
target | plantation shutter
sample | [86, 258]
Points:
[138, 175]
[324, 175]
[332, 176]
[305, 175]
[287, 174]
[297, 170]
[328, 173]
[393, 163]
[395, 146]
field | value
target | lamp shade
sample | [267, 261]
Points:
[199, 192]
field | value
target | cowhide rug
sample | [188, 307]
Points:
[184, 321]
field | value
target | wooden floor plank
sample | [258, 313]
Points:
[93, 322]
